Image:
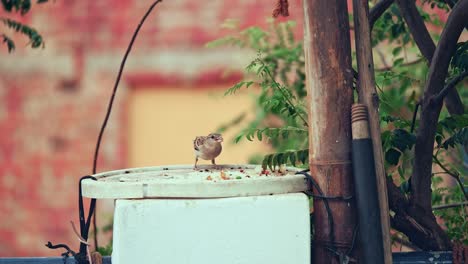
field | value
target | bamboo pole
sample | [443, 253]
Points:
[329, 85]
[368, 96]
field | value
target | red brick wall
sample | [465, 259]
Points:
[52, 101]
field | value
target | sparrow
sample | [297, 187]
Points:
[207, 148]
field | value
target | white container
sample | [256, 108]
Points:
[234, 214]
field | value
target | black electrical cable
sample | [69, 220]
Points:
[81, 257]
[327, 206]
[111, 102]
[84, 224]
[344, 258]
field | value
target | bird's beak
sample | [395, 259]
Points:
[219, 140]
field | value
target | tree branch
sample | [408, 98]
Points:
[382, 58]
[415, 114]
[387, 68]
[454, 175]
[417, 28]
[377, 11]
[427, 47]
[421, 178]
[449, 86]
[420, 227]
[446, 206]
[451, 4]
[405, 243]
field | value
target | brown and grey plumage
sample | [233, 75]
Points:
[207, 148]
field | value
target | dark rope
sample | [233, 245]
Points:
[111, 102]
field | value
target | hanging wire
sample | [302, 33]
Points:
[343, 257]
[111, 102]
[82, 257]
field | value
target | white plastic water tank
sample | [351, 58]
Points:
[235, 214]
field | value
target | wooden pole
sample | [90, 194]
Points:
[368, 96]
[330, 95]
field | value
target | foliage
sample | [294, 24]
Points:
[277, 73]
[22, 7]
[456, 218]
[107, 229]
[460, 60]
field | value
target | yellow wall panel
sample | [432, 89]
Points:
[163, 123]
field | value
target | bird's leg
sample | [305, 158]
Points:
[216, 167]
[196, 160]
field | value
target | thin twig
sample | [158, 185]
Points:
[404, 242]
[376, 12]
[454, 175]
[446, 206]
[282, 92]
[387, 68]
[450, 85]
[382, 58]
[111, 102]
[415, 114]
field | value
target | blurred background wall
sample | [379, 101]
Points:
[53, 101]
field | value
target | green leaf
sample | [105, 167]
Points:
[460, 58]
[238, 138]
[292, 158]
[270, 162]
[259, 134]
[405, 187]
[9, 42]
[229, 40]
[275, 162]
[459, 138]
[34, 37]
[265, 163]
[22, 6]
[392, 156]
[280, 158]
[396, 51]
[303, 156]
[403, 140]
[401, 171]
[398, 62]
[236, 87]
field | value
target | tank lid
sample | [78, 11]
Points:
[183, 181]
